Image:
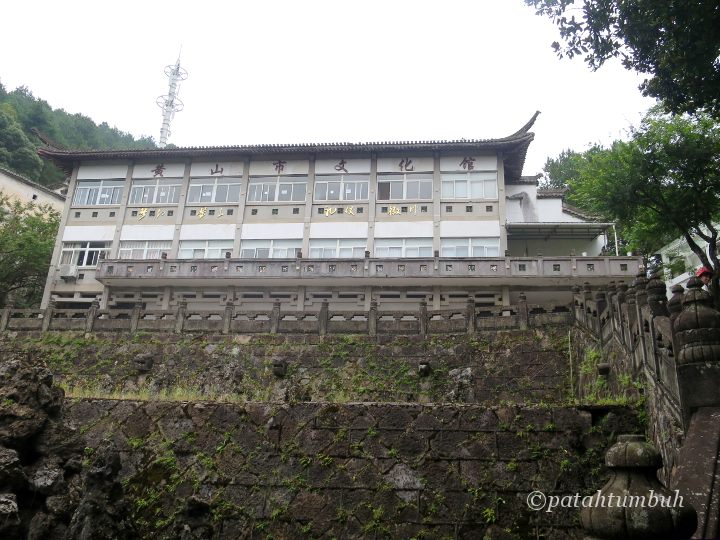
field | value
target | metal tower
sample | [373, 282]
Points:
[171, 103]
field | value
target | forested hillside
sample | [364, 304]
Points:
[21, 112]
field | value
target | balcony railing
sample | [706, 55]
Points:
[494, 270]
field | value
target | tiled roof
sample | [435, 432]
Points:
[34, 185]
[575, 211]
[551, 193]
[529, 180]
[514, 148]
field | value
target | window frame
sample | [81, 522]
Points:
[146, 249]
[275, 182]
[467, 178]
[115, 185]
[343, 180]
[403, 244]
[214, 182]
[360, 244]
[205, 246]
[173, 184]
[473, 244]
[405, 179]
[84, 250]
[272, 248]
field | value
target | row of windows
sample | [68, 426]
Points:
[87, 253]
[354, 187]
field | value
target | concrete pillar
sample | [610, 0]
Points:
[47, 316]
[423, 318]
[5, 318]
[523, 311]
[470, 315]
[180, 314]
[323, 317]
[373, 318]
[228, 316]
[135, 317]
[275, 317]
[91, 316]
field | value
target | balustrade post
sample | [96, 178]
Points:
[633, 464]
[323, 317]
[373, 318]
[135, 317]
[657, 295]
[47, 316]
[180, 314]
[423, 318]
[275, 317]
[470, 315]
[600, 306]
[228, 316]
[674, 305]
[5, 318]
[523, 311]
[697, 335]
[91, 316]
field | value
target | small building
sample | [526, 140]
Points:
[19, 188]
[391, 222]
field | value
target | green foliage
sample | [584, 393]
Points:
[21, 113]
[27, 238]
[675, 43]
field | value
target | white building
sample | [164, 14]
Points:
[19, 188]
[393, 222]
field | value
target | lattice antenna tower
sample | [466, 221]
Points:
[171, 103]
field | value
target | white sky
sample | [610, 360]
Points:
[290, 71]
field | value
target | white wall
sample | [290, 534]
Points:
[555, 247]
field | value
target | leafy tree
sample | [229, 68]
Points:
[662, 183]
[16, 150]
[563, 170]
[27, 237]
[675, 43]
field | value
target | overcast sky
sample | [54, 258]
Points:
[289, 71]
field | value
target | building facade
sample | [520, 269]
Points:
[397, 223]
[19, 188]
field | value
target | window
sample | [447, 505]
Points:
[277, 188]
[404, 187]
[204, 249]
[95, 192]
[332, 248]
[270, 249]
[469, 247]
[83, 253]
[155, 191]
[352, 187]
[214, 190]
[469, 185]
[403, 247]
[147, 249]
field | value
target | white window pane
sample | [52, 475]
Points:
[298, 191]
[425, 190]
[476, 190]
[396, 190]
[333, 191]
[413, 190]
[320, 191]
[233, 193]
[194, 194]
[426, 251]
[395, 252]
[460, 189]
[221, 192]
[490, 189]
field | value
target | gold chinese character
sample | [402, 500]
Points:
[143, 212]
[220, 213]
[160, 213]
[350, 210]
[413, 209]
[330, 211]
[393, 211]
[202, 212]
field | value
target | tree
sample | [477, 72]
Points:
[662, 183]
[27, 237]
[563, 170]
[16, 150]
[675, 43]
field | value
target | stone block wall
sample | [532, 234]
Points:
[311, 470]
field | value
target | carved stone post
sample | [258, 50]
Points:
[47, 316]
[228, 316]
[523, 311]
[180, 314]
[657, 295]
[640, 283]
[697, 338]
[600, 306]
[674, 305]
[323, 318]
[135, 317]
[275, 317]
[373, 318]
[423, 318]
[587, 291]
[5, 318]
[91, 316]
[470, 315]
[613, 514]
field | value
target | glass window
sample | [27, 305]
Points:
[348, 187]
[155, 191]
[84, 254]
[404, 187]
[332, 248]
[469, 185]
[270, 249]
[277, 188]
[144, 249]
[97, 192]
[469, 247]
[403, 247]
[214, 190]
[205, 249]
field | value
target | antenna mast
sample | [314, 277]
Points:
[171, 103]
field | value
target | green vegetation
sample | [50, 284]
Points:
[21, 113]
[675, 43]
[27, 238]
